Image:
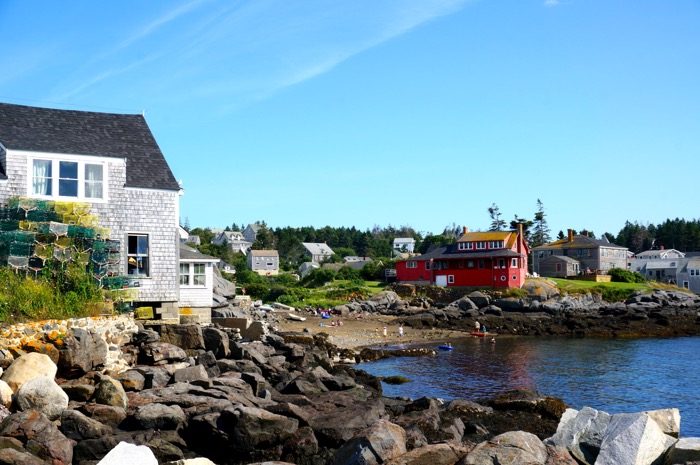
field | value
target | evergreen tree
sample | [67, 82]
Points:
[527, 224]
[540, 235]
[560, 235]
[497, 224]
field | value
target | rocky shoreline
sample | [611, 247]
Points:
[196, 394]
[542, 312]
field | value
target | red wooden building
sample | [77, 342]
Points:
[477, 259]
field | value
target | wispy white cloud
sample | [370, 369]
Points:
[237, 53]
[552, 3]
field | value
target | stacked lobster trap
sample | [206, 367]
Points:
[37, 233]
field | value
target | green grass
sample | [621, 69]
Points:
[612, 292]
[336, 292]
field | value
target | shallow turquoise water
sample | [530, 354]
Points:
[611, 375]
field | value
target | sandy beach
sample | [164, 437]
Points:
[366, 331]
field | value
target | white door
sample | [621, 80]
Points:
[441, 280]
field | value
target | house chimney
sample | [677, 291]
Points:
[520, 237]
[465, 230]
[571, 235]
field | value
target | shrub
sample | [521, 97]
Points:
[619, 275]
[348, 273]
[318, 278]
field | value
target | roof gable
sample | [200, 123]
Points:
[486, 236]
[318, 248]
[74, 132]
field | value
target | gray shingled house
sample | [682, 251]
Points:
[559, 266]
[264, 262]
[594, 255]
[111, 162]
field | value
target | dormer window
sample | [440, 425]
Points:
[67, 179]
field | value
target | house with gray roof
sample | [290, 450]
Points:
[688, 275]
[196, 281]
[112, 163]
[594, 255]
[250, 233]
[559, 266]
[235, 240]
[404, 244]
[264, 262]
[318, 251]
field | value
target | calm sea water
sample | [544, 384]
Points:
[611, 375]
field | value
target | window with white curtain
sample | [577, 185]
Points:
[41, 177]
[67, 179]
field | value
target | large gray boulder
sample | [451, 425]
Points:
[512, 448]
[223, 287]
[125, 453]
[377, 444]
[683, 451]
[109, 391]
[184, 336]
[82, 351]
[632, 439]
[582, 433]
[5, 394]
[44, 395]
[159, 416]
[433, 454]
[480, 299]
[76, 425]
[162, 353]
[18, 457]
[216, 341]
[257, 428]
[29, 366]
[668, 419]
[39, 436]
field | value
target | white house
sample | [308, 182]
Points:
[234, 239]
[112, 163]
[186, 238]
[196, 283]
[318, 251]
[404, 244]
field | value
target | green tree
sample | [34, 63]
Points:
[264, 239]
[540, 234]
[497, 224]
[527, 224]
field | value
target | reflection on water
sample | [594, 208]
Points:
[611, 375]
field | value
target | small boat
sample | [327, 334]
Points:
[481, 334]
[445, 347]
[295, 317]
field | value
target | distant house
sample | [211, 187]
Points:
[318, 251]
[592, 254]
[306, 268]
[477, 259]
[112, 163]
[250, 233]
[226, 267]
[659, 254]
[234, 239]
[559, 266]
[688, 275]
[404, 244]
[185, 237]
[264, 262]
[196, 283]
[355, 262]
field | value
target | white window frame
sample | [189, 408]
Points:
[513, 262]
[192, 275]
[185, 275]
[411, 264]
[481, 245]
[427, 264]
[450, 279]
[55, 172]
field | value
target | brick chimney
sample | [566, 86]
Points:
[520, 238]
[571, 235]
[465, 230]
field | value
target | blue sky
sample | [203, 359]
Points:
[365, 113]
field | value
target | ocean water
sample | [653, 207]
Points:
[612, 375]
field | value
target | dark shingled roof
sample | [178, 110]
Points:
[188, 253]
[88, 133]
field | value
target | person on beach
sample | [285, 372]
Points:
[477, 326]
[483, 328]
[384, 331]
[401, 330]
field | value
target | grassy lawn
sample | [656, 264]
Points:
[612, 292]
[339, 292]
